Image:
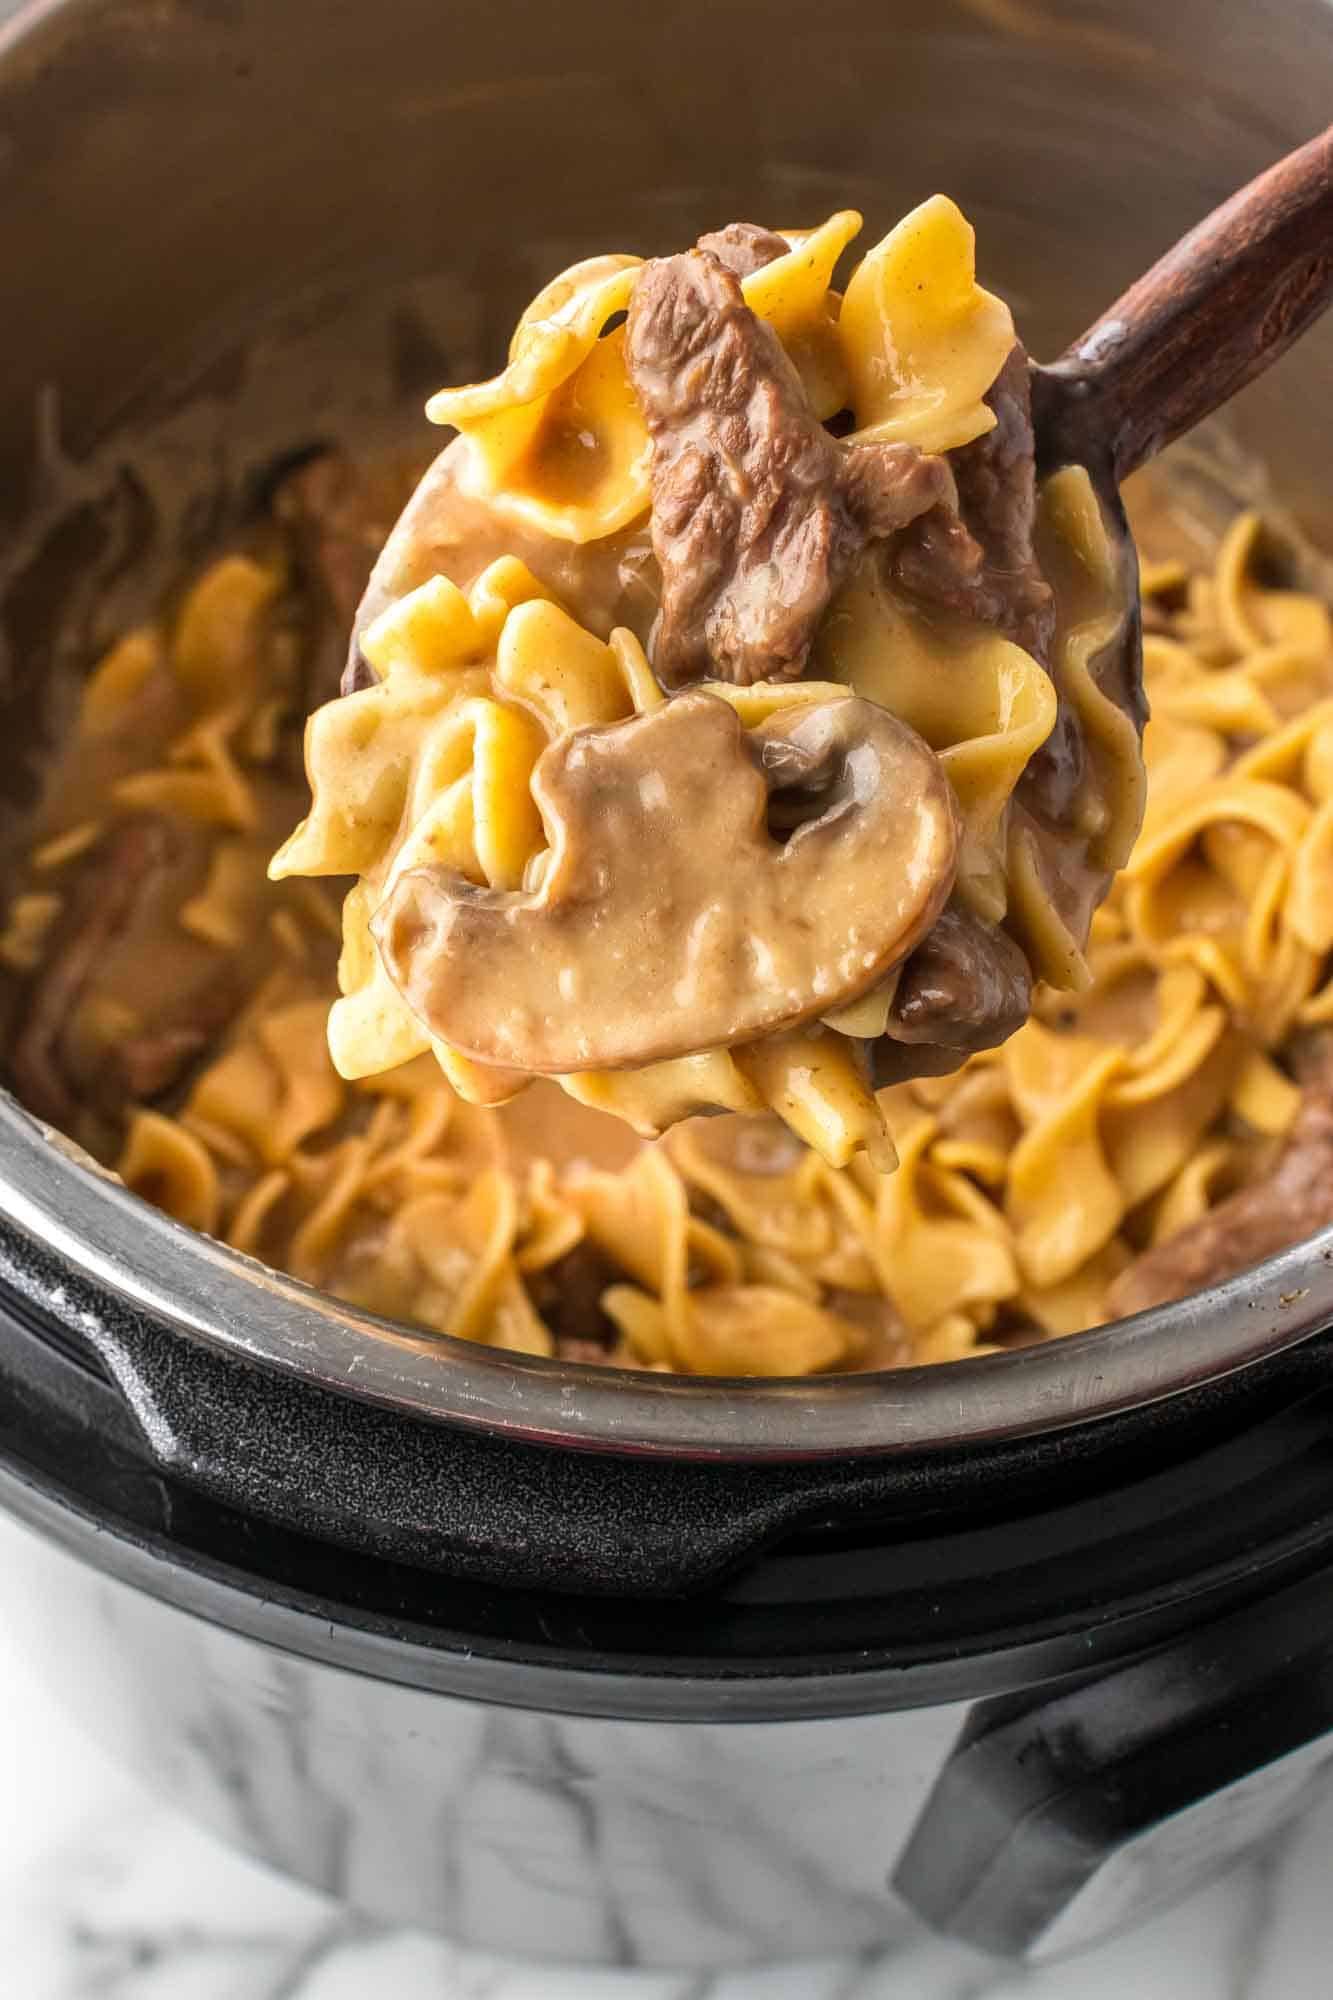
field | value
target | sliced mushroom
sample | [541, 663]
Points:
[671, 917]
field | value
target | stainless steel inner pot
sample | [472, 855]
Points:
[228, 227]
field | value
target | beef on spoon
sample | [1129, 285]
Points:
[758, 516]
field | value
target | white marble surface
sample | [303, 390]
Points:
[105, 1894]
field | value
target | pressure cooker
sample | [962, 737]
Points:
[556, 1659]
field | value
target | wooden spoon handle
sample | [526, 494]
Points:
[1210, 315]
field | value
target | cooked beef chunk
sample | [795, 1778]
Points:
[968, 986]
[118, 880]
[109, 889]
[885, 487]
[1308, 1054]
[568, 1295]
[323, 505]
[890, 1343]
[1290, 1202]
[757, 514]
[744, 247]
[148, 1064]
[978, 560]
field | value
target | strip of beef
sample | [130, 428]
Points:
[979, 559]
[744, 247]
[146, 1065]
[967, 986]
[757, 514]
[1292, 1201]
[568, 1295]
[889, 1344]
[102, 906]
[323, 505]
[136, 864]
[980, 562]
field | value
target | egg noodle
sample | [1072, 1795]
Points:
[433, 766]
[1025, 1183]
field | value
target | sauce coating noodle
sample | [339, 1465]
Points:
[1026, 1182]
[426, 782]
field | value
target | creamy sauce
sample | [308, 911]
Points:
[546, 1124]
[669, 918]
[545, 1225]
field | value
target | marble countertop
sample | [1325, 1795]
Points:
[105, 1894]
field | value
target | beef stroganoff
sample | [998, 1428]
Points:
[1095, 1098]
[614, 816]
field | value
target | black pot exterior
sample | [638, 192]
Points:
[981, 1726]
[501, 1510]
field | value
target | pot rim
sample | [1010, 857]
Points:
[78, 1212]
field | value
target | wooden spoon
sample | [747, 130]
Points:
[1221, 306]
[1210, 315]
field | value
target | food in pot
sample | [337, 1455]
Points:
[727, 724]
[1163, 1125]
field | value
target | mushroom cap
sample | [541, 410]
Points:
[675, 912]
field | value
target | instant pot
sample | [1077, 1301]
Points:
[615, 1668]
